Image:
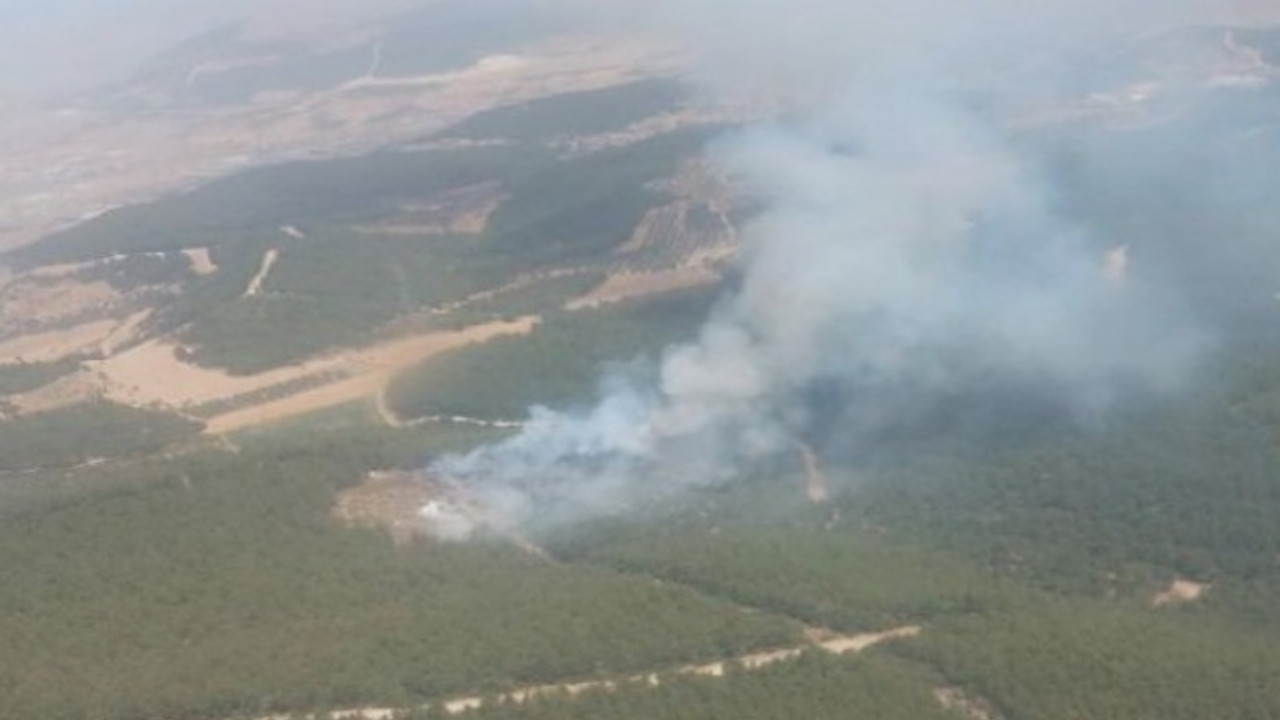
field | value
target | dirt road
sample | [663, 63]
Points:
[834, 644]
[371, 369]
[268, 262]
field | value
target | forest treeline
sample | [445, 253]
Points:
[216, 583]
[559, 364]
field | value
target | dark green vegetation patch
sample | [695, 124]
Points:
[20, 378]
[218, 584]
[95, 431]
[341, 274]
[559, 364]
[589, 112]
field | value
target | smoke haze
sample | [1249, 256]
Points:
[915, 247]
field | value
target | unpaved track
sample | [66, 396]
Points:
[817, 488]
[371, 371]
[834, 644]
[628, 285]
[268, 261]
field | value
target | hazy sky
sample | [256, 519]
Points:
[57, 46]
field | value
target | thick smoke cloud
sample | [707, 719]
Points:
[915, 247]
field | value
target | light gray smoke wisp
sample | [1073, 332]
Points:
[910, 245]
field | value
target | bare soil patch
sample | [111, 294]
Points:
[269, 261]
[31, 303]
[64, 392]
[627, 285]
[371, 369]
[54, 345]
[959, 701]
[839, 645]
[817, 488]
[153, 375]
[1180, 592]
[201, 262]
[388, 501]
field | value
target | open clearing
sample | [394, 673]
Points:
[371, 369]
[1180, 592]
[628, 285]
[201, 261]
[32, 301]
[56, 345]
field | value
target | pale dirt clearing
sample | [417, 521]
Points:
[837, 645]
[268, 261]
[153, 374]
[1180, 592]
[62, 270]
[817, 488]
[26, 302]
[628, 285]
[372, 368]
[54, 345]
[125, 333]
[388, 416]
[302, 403]
[959, 701]
[102, 338]
[387, 500]
[200, 261]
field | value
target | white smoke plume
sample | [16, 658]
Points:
[911, 244]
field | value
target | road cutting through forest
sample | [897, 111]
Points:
[375, 367]
[819, 639]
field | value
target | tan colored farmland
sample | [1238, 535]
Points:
[65, 392]
[153, 375]
[627, 285]
[55, 345]
[52, 298]
[371, 369]
[201, 262]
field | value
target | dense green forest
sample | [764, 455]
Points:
[251, 206]
[217, 584]
[1059, 659]
[20, 378]
[1030, 569]
[95, 431]
[1189, 484]
[575, 114]
[827, 576]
